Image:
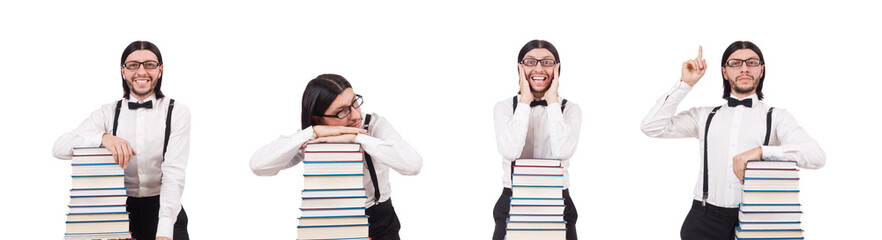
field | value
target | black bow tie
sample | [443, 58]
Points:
[147, 105]
[747, 102]
[539, 103]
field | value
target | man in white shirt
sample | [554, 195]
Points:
[149, 136]
[536, 124]
[736, 132]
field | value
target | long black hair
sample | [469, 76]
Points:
[318, 96]
[135, 46]
[735, 46]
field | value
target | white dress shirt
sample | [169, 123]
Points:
[537, 132]
[147, 174]
[733, 130]
[385, 145]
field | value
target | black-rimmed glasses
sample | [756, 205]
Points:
[133, 65]
[752, 62]
[347, 109]
[529, 62]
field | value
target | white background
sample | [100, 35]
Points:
[435, 70]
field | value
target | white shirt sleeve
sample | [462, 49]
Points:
[796, 144]
[280, 154]
[385, 145]
[661, 122]
[173, 171]
[88, 134]
[564, 128]
[511, 129]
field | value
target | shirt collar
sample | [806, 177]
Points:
[753, 98]
[152, 97]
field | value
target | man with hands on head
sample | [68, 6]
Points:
[331, 113]
[537, 123]
[149, 136]
[743, 129]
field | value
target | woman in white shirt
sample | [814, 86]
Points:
[331, 112]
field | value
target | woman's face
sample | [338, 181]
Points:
[343, 102]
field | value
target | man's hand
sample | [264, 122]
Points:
[345, 138]
[526, 94]
[328, 131]
[120, 148]
[693, 69]
[739, 162]
[163, 238]
[551, 94]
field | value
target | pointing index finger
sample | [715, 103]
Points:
[700, 53]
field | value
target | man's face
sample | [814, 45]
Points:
[342, 103]
[140, 78]
[744, 79]
[539, 76]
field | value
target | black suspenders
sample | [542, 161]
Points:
[707, 129]
[514, 104]
[370, 165]
[171, 105]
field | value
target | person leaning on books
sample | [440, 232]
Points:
[149, 136]
[331, 112]
[731, 134]
[537, 123]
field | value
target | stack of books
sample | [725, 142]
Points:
[537, 203]
[97, 197]
[333, 192]
[770, 206]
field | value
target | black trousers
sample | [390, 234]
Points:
[144, 216]
[503, 206]
[384, 224]
[709, 222]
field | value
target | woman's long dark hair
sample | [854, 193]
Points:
[318, 96]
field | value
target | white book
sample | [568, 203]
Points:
[98, 217]
[740, 233]
[333, 202]
[333, 212]
[538, 201]
[769, 225]
[332, 156]
[535, 218]
[772, 164]
[100, 169]
[538, 170]
[770, 184]
[770, 197]
[536, 225]
[97, 192]
[325, 221]
[97, 226]
[332, 147]
[547, 180]
[770, 208]
[769, 217]
[333, 168]
[323, 193]
[544, 210]
[97, 209]
[330, 232]
[536, 234]
[333, 182]
[85, 181]
[93, 236]
[538, 162]
[536, 192]
[98, 201]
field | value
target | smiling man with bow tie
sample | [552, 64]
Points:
[741, 130]
[149, 136]
[536, 124]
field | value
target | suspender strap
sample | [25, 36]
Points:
[171, 105]
[116, 116]
[706, 129]
[370, 165]
[768, 127]
[168, 117]
[514, 104]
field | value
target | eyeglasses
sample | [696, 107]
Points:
[133, 65]
[753, 62]
[529, 62]
[348, 109]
